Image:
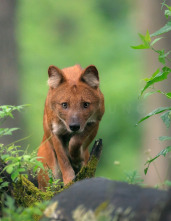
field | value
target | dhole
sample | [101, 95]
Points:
[73, 109]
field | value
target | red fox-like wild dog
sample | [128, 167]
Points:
[73, 109]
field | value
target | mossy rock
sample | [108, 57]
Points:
[103, 199]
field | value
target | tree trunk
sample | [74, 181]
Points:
[152, 18]
[8, 63]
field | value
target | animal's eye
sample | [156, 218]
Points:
[65, 105]
[86, 104]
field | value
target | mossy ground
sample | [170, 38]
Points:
[26, 194]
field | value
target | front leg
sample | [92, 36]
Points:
[67, 171]
[75, 149]
[76, 153]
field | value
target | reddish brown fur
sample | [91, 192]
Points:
[69, 131]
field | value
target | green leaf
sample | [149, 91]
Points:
[20, 170]
[133, 177]
[145, 39]
[9, 159]
[162, 57]
[168, 95]
[16, 164]
[33, 159]
[149, 93]
[167, 183]
[155, 41]
[9, 169]
[145, 170]
[162, 153]
[154, 112]
[4, 184]
[26, 157]
[7, 131]
[163, 138]
[14, 175]
[140, 47]
[167, 13]
[166, 118]
[6, 110]
[156, 77]
[153, 75]
[35, 169]
[4, 156]
[37, 211]
[162, 30]
[38, 165]
[150, 79]
[164, 4]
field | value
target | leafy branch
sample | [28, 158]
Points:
[5, 112]
[162, 153]
[158, 76]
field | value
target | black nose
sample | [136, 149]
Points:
[74, 127]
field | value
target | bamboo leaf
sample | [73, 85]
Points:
[156, 77]
[162, 30]
[154, 112]
[163, 138]
[166, 118]
[168, 95]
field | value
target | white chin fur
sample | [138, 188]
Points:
[60, 129]
[55, 128]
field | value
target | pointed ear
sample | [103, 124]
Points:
[55, 76]
[90, 76]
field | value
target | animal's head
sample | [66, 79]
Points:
[75, 97]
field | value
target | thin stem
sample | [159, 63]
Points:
[155, 167]
[18, 141]
[159, 53]
[157, 172]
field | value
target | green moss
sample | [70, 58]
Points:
[26, 194]
[89, 170]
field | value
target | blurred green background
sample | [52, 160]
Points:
[99, 32]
